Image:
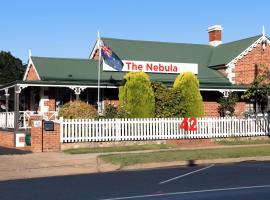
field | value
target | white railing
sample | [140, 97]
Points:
[86, 130]
[7, 118]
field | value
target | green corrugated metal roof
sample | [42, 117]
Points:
[86, 70]
[64, 68]
[225, 53]
[169, 52]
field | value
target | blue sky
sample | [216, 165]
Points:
[69, 28]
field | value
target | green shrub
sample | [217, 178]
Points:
[110, 111]
[136, 96]
[168, 102]
[122, 113]
[188, 84]
[78, 110]
[227, 104]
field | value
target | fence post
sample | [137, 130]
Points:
[117, 129]
[61, 129]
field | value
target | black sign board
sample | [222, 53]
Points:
[48, 126]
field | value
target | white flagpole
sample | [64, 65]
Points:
[99, 62]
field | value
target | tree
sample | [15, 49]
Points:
[227, 104]
[188, 84]
[136, 96]
[11, 68]
[167, 101]
[258, 92]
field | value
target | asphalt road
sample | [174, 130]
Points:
[247, 180]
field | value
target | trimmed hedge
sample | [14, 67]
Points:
[78, 110]
[136, 96]
[188, 84]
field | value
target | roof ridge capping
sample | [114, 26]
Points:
[61, 58]
[151, 41]
[239, 40]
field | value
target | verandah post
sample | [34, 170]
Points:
[6, 95]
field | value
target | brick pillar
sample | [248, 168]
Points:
[44, 141]
[51, 139]
[36, 133]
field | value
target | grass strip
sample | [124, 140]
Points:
[180, 155]
[243, 142]
[119, 148]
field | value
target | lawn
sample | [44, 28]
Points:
[119, 149]
[185, 155]
[243, 142]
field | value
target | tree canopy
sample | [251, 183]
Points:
[136, 96]
[188, 84]
[227, 105]
[168, 101]
[258, 92]
[11, 68]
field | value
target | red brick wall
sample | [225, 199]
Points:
[36, 135]
[191, 142]
[50, 92]
[51, 139]
[248, 67]
[95, 57]
[112, 102]
[211, 109]
[32, 75]
[240, 108]
[7, 139]
[51, 104]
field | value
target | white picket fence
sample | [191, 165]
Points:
[87, 130]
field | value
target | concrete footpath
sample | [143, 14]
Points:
[49, 164]
[58, 164]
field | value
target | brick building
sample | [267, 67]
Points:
[48, 83]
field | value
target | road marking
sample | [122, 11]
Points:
[190, 192]
[193, 172]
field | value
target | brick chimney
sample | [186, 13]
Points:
[214, 33]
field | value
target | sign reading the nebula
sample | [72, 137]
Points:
[155, 67]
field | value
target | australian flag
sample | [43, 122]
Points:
[110, 58]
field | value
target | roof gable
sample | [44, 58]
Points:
[31, 72]
[224, 53]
